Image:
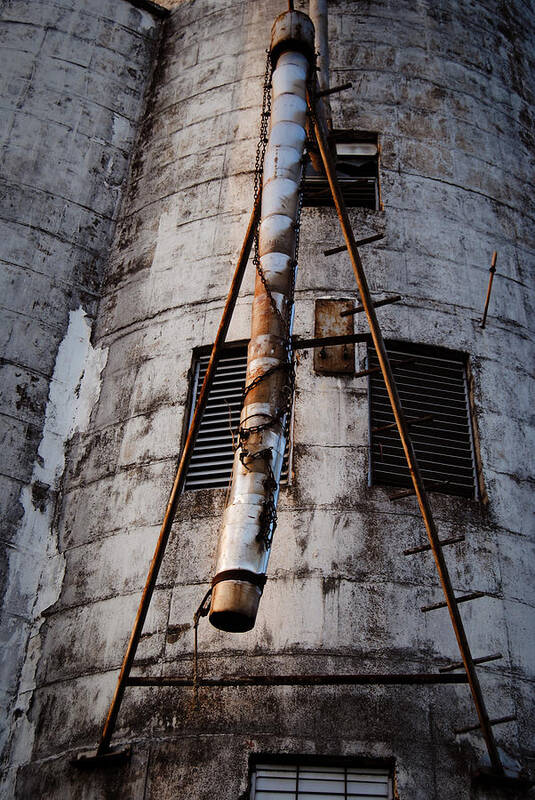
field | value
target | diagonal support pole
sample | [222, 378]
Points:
[399, 416]
[176, 491]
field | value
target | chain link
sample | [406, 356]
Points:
[268, 518]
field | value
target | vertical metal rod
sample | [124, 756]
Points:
[492, 270]
[318, 13]
[423, 500]
[178, 484]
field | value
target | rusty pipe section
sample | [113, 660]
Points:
[244, 544]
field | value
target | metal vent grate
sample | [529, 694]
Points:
[430, 383]
[357, 169]
[211, 463]
[299, 782]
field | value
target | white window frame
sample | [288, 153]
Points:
[320, 781]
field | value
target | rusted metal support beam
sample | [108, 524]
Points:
[492, 270]
[399, 416]
[424, 547]
[328, 341]
[460, 665]
[178, 484]
[377, 304]
[360, 679]
[340, 249]
[463, 599]
[334, 89]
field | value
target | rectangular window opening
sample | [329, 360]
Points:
[210, 466]
[357, 168]
[432, 383]
[312, 780]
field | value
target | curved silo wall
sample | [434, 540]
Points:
[73, 81]
[447, 87]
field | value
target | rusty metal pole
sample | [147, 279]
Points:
[423, 500]
[178, 484]
[492, 270]
[319, 15]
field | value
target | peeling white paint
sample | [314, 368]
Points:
[36, 566]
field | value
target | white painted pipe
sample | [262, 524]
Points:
[243, 556]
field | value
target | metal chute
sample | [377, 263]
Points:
[248, 521]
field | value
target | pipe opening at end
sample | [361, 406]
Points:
[234, 606]
[231, 621]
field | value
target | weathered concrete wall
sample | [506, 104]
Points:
[73, 80]
[448, 87]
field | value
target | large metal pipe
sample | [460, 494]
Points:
[244, 544]
[319, 15]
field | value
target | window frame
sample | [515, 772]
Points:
[306, 763]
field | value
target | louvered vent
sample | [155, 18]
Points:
[211, 463]
[429, 383]
[357, 169]
[296, 782]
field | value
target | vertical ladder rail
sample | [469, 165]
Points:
[410, 455]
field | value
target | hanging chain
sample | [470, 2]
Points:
[268, 517]
[202, 611]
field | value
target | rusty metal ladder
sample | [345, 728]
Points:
[419, 490]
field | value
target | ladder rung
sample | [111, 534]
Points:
[386, 302]
[341, 88]
[423, 547]
[459, 664]
[409, 492]
[393, 364]
[497, 721]
[343, 247]
[464, 599]
[409, 420]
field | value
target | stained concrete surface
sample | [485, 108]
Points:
[449, 88]
[73, 76]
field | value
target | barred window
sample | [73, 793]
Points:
[302, 782]
[433, 390]
[357, 168]
[211, 462]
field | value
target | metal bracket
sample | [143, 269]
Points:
[481, 660]
[375, 238]
[423, 548]
[386, 302]
[464, 599]
[90, 759]
[496, 721]
[341, 88]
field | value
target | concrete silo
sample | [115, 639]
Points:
[434, 144]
